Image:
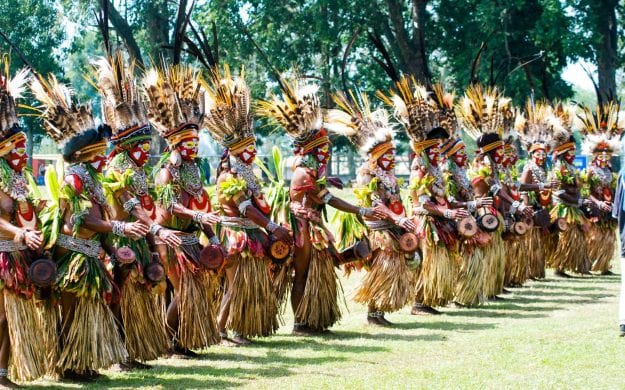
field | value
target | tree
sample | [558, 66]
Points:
[38, 20]
[598, 36]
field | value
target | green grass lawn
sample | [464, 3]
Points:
[557, 333]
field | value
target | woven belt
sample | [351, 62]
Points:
[188, 239]
[90, 248]
[237, 222]
[379, 225]
[11, 246]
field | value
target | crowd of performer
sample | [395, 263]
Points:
[123, 263]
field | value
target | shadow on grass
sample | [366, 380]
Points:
[381, 335]
[444, 325]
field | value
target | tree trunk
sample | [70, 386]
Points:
[125, 32]
[607, 51]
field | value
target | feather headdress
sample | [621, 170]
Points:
[414, 110]
[175, 101]
[229, 116]
[486, 116]
[123, 107]
[369, 132]
[69, 124]
[602, 128]
[444, 103]
[11, 88]
[535, 125]
[298, 112]
[562, 128]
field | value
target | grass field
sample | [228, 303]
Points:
[556, 333]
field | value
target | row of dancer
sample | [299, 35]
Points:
[122, 263]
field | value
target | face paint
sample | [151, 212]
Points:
[248, 155]
[322, 153]
[387, 161]
[98, 162]
[569, 156]
[140, 153]
[498, 155]
[510, 157]
[602, 159]
[188, 148]
[539, 156]
[434, 154]
[18, 158]
[460, 157]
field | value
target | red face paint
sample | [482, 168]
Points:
[140, 153]
[18, 158]
[188, 148]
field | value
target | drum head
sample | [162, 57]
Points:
[42, 272]
[467, 227]
[519, 228]
[125, 255]
[562, 225]
[408, 242]
[279, 251]
[155, 272]
[212, 257]
[488, 222]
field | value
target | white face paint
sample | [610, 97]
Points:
[245, 155]
[137, 155]
[15, 162]
[183, 152]
[96, 164]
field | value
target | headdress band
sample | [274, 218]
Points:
[315, 142]
[99, 146]
[380, 150]
[186, 130]
[9, 144]
[564, 147]
[450, 147]
[238, 146]
[492, 146]
[422, 145]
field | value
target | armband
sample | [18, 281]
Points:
[515, 205]
[271, 226]
[471, 206]
[541, 186]
[214, 240]
[420, 211]
[244, 205]
[327, 198]
[154, 228]
[130, 204]
[495, 188]
[448, 213]
[118, 228]
[580, 202]
[198, 216]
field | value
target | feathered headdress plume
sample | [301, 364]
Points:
[229, 116]
[444, 103]
[123, 106]
[69, 124]
[369, 132]
[11, 88]
[175, 101]
[602, 128]
[535, 125]
[298, 112]
[414, 110]
[562, 128]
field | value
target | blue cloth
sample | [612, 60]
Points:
[618, 208]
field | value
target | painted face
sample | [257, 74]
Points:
[98, 162]
[322, 153]
[569, 156]
[539, 156]
[188, 148]
[498, 154]
[248, 155]
[460, 157]
[434, 154]
[18, 158]
[602, 159]
[140, 153]
[511, 157]
[387, 161]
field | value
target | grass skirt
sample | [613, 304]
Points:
[601, 243]
[319, 307]
[142, 307]
[435, 284]
[90, 340]
[197, 324]
[537, 242]
[494, 258]
[388, 284]
[29, 359]
[253, 304]
[469, 285]
[517, 253]
[570, 251]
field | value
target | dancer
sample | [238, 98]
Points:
[175, 104]
[316, 289]
[388, 285]
[77, 224]
[249, 306]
